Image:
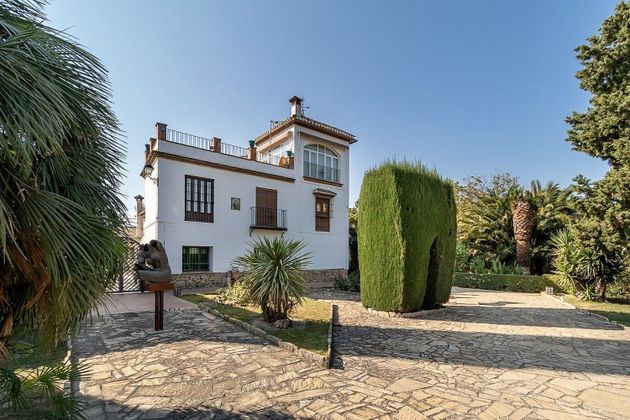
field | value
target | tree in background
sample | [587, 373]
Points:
[554, 207]
[523, 222]
[603, 213]
[61, 219]
[353, 243]
[485, 215]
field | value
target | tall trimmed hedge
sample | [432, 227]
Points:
[407, 231]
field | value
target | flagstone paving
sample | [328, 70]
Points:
[488, 355]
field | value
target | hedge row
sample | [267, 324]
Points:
[506, 282]
[406, 235]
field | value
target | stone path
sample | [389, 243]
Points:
[489, 355]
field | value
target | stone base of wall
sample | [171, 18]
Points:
[314, 279]
[323, 279]
[200, 279]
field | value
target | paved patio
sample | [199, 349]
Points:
[489, 355]
[119, 303]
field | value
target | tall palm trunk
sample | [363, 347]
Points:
[523, 220]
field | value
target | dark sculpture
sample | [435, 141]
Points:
[158, 270]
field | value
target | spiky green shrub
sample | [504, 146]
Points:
[272, 271]
[406, 237]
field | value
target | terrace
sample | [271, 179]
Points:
[217, 145]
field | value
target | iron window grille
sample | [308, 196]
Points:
[195, 258]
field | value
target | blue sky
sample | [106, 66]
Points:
[468, 87]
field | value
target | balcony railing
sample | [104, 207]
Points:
[322, 172]
[230, 149]
[226, 148]
[268, 158]
[188, 139]
[268, 218]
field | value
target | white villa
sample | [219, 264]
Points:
[205, 199]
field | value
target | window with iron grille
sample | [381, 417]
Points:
[199, 199]
[196, 258]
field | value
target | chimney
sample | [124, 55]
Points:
[139, 216]
[296, 106]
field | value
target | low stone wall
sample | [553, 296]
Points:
[315, 279]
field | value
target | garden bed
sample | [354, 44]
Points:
[311, 321]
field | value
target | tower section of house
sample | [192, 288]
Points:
[205, 200]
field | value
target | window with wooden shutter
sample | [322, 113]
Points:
[199, 199]
[266, 207]
[322, 214]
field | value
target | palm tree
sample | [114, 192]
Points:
[272, 273]
[523, 222]
[554, 207]
[61, 219]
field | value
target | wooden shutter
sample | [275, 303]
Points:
[266, 207]
[198, 199]
[322, 214]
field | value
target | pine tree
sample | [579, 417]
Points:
[603, 131]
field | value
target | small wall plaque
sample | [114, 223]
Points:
[235, 203]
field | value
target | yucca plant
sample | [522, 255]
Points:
[272, 272]
[579, 268]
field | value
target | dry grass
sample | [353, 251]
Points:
[614, 309]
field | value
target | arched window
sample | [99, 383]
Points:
[320, 162]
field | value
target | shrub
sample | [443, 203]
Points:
[272, 274]
[507, 282]
[478, 265]
[350, 283]
[238, 293]
[406, 238]
[579, 267]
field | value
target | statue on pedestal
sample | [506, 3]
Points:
[158, 270]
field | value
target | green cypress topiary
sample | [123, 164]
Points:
[407, 232]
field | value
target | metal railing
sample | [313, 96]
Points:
[188, 139]
[230, 149]
[321, 172]
[268, 158]
[226, 148]
[264, 217]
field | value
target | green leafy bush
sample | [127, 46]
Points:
[272, 273]
[349, 283]
[406, 237]
[507, 282]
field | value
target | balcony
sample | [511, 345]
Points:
[321, 172]
[268, 218]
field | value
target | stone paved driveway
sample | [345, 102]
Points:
[489, 355]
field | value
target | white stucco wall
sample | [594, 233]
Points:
[229, 233]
